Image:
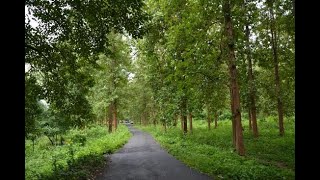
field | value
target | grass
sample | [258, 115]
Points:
[73, 160]
[267, 157]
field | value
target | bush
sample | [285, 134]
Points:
[78, 158]
[79, 138]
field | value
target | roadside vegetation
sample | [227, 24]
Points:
[210, 151]
[79, 157]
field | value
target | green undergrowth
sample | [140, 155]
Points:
[78, 158]
[267, 157]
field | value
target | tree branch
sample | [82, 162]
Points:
[37, 50]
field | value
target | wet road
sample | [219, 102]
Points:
[142, 158]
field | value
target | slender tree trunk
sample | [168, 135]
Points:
[184, 101]
[181, 120]
[184, 114]
[175, 120]
[235, 95]
[190, 121]
[115, 122]
[216, 120]
[208, 118]
[252, 92]
[249, 116]
[276, 68]
[233, 122]
[110, 117]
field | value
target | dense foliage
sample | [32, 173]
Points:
[79, 157]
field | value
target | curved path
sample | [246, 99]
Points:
[142, 158]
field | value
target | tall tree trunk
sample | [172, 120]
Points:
[110, 117]
[249, 116]
[107, 116]
[184, 101]
[216, 119]
[233, 122]
[115, 122]
[252, 93]
[235, 95]
[181, 120]
[276, 67]
[184, 114]
[190, 121]
[208, 117]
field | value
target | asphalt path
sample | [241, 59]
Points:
[142, 158]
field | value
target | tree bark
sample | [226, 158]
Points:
[190, 121]
[235, 95]
[233, 121]
[252, 93]
[110, 117]
[216, 120]
[276, 68]
[184, 114]
[249, 116]
[181, 120]
[115, 122]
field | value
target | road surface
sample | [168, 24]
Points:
[142, 158]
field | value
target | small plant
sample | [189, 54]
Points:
[79, 138]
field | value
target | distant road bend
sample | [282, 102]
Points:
[142, 158]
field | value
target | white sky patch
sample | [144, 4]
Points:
[131, 76]
[133, 52]
[44, 102]
[260, 4]
[33, 22]
[27, 67]
[253, 37]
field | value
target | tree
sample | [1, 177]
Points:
[110, 78]
[234, 88]
[66, 44]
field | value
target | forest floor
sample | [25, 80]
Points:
[143, 158]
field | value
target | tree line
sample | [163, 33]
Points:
[193, 58]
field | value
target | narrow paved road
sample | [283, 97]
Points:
[142, 158]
